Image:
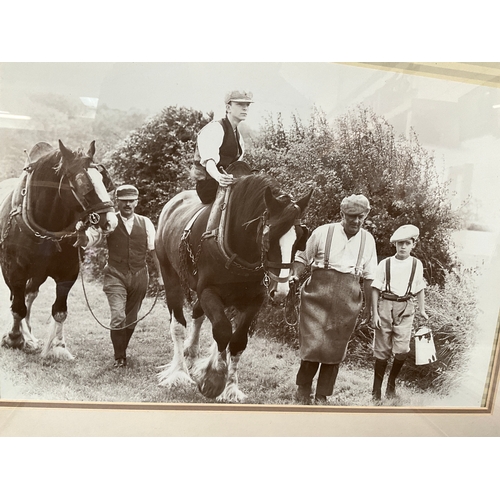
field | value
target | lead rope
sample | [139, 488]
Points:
[292, 305]
[92, 312]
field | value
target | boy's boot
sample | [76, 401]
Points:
[391, 383]
[379, 369]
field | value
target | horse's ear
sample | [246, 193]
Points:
[91, 151]
[303, 202]
[66, 153]
[272, 204]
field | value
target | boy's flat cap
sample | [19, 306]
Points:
[406, 232]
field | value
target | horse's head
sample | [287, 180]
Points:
[282, 234]
[90, 185]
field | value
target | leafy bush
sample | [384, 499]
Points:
[157, 157]
[361, 154]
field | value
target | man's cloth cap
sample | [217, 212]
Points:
[238, 96]
[406, 232]
[127, 192]
[355, 204]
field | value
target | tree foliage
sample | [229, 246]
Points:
[157, 157]
[360, 153]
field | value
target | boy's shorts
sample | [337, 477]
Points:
[396, 319]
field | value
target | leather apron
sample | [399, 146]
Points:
[330, 304]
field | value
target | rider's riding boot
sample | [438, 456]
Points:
[391, 383]
[379, 369]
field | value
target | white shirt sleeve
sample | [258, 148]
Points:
[379, 280]
[151, 232]
[209, 142]
[370, 257]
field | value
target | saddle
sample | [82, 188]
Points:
[217, 221]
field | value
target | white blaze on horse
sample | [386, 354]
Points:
[229, 257]
[38, 215]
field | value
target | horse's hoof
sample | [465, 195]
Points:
[172, 378]
[17, 342]
[212, 379]
[232, 395]
[58, 352]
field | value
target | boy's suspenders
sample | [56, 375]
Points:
[388, 276]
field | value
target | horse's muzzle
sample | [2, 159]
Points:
[111, 222]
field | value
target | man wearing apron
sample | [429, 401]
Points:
[340, 254]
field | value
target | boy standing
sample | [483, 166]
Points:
[398, 280]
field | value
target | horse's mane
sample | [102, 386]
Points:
[249, 192]
[54, 161]
[50, 161]
[248, 205]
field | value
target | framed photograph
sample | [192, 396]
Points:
[418, 141]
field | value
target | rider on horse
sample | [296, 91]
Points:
[219, 144]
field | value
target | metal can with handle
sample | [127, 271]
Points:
[425, 350]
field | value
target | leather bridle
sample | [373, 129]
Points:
[265, 231]
[80, 184]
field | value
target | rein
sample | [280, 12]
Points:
[92, 312]
[292, 305]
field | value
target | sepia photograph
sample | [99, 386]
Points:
[311, 238]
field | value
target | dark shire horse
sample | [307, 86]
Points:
[229, 264]
[58, 189]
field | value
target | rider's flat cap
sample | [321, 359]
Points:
[127, 192]
[355, 204]
[238, 96]
[406, 232]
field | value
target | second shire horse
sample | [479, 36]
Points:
[228, 256]
[58, 188]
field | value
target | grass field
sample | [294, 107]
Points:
[266, 371]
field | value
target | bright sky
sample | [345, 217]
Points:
[284, 88]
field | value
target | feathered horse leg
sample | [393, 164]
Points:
[176, 372]
[232, 393]
[31, 340]
[56, 344]
[192, 344]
